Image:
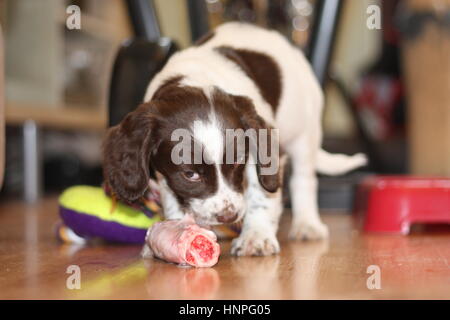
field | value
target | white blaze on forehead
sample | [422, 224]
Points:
[210, 134]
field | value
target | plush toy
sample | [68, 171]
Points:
[88, 212]
[91, 213]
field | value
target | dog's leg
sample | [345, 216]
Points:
[170, 206]
[258, 235]
[306, 223]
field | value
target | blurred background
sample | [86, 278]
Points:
[384, 66]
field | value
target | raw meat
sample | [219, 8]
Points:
[183, 242]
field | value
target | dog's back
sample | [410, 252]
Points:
[213, 63]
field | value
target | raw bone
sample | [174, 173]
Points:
[183, 242]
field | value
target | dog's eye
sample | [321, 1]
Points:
[191, 175]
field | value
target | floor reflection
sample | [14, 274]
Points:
[257, 277]
[409, 261]
[168, 281]
[306, 268]
[234, 277]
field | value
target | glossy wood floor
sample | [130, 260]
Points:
[33, 266]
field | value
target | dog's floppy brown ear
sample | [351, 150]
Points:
[251, 120]
[126, 154]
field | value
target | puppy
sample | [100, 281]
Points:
[238, 78]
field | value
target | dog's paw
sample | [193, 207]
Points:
[308, 230]
[254, 244]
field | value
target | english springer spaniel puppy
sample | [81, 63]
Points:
[238, 77]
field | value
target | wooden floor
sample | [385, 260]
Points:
[33, 266]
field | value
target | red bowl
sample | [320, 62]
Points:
[391, 204]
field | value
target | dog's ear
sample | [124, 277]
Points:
[127, 149]
[251, 120]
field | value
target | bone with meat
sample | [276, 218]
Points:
[183, 242]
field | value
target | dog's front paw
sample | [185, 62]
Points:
[254, 243]
[308, 230]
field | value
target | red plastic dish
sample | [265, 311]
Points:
[391, 204]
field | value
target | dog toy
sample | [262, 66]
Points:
[93, 213]
[182, 242]
[88, 212]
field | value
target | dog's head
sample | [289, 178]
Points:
[202, 175]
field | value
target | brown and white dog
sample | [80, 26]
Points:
[238, 77]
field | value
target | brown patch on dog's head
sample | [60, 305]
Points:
[126, 153]
[252, 120]
[238, 112]
[128, 147]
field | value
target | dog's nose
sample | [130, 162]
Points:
[227, 216]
